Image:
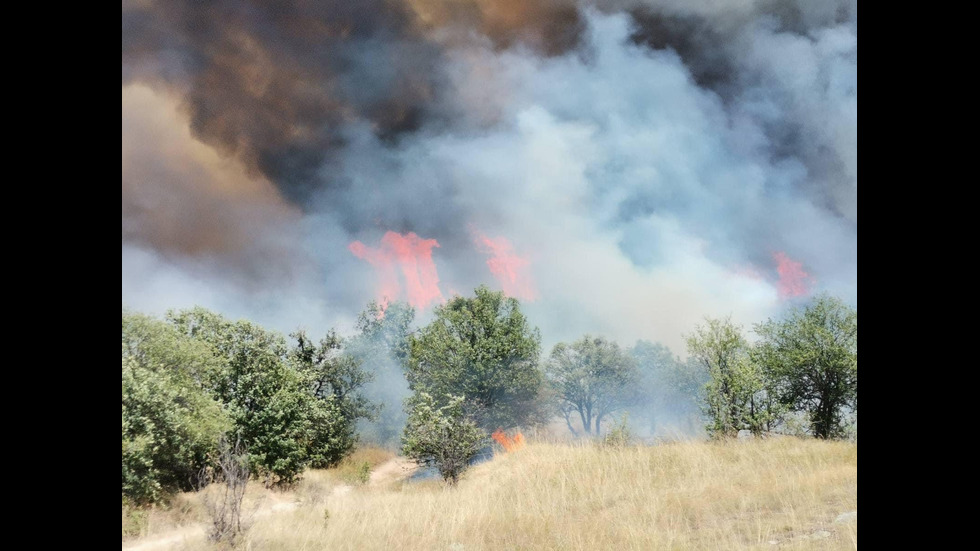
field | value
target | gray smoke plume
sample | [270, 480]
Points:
[648, 159]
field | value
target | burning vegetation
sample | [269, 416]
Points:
[506, 442]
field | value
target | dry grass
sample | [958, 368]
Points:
[185, 509]
[180, 510]
[373, 455]
[356, 468]
[736, 495]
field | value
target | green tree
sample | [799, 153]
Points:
[337, 380]
[169, 424]
[275, 412]
[482, 349]
[442, 436]
[594, 378]
[381, 346]
[734, 398]
[812, 358]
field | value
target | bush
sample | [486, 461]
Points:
[284, 403]
[620, 435]
[444, 437]
[169, 423]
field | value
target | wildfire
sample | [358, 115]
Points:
[510, 269]
[793, 281]
[509, 444]
[410, 254]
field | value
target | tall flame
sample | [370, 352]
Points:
[509, 444]
[510, 270]
[793, 281]
[410, 254]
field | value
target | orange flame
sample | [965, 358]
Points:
[509, 444]
[507, 267]
[793, 281]
[413, 256]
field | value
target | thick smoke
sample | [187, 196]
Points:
[649, 162]
[273, 83]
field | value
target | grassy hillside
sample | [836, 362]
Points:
[737, 495]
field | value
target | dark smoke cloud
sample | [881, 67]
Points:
[273, 82]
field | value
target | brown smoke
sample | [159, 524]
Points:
[182, 199]
[551, 27]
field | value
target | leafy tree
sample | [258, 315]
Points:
[482, 349]
[275, 412]
[594, 378]
[337, 380]
[442, 436]
[670, 388]
[734, 398]
[381, 346]
[169, 424]
[812, 358]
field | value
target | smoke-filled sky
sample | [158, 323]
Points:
[624, 167]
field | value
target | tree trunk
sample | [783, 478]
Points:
[568, 421]
[586, 420]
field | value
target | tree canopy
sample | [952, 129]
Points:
[196, 377]
[483, 349]
[811, 357]
[442, 436]
[734, 398]
[169, 423]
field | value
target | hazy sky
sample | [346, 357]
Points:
[624, 167]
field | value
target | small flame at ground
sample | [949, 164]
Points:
[410, 254]
[511, 270]
[509, 444]
[793, 281]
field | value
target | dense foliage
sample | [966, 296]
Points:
[169, 422]
[198, 376]
[805, 364]
[811, 359]
[735, 397]
[336, 380]
[483, 349]
[443, 436]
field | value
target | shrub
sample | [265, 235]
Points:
[169, 423]
[444, 437]
[620, 435]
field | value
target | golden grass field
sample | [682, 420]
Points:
[778, 493]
